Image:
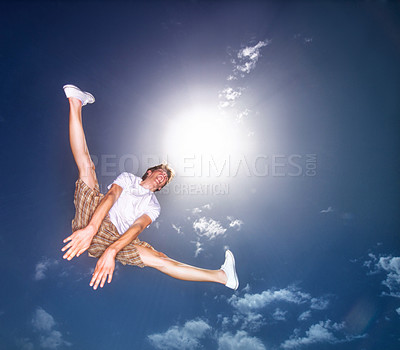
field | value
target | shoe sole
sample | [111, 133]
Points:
[69, 86]
[234, 269]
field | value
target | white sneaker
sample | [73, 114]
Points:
[229, 268]
[73, 91]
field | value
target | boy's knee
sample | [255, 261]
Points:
[160, 259]
[89, 166]
[161, 255]
[154, 259]
[92, 166]
[86, 168]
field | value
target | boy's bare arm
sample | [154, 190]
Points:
[131, 234]
[80, 240]
[106, 264]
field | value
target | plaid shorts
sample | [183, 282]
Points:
[86, 201]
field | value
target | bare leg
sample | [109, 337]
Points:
[179, 270]
[78, 144]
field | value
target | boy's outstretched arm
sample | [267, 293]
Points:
[105, 266]
[80, 240]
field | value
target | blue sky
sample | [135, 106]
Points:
[281, 121]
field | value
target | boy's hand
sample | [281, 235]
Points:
[104, 267]
[79, 241]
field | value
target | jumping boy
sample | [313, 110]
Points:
[108, 225]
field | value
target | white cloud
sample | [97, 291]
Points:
[240, 341]
[391, 266]
[236, 319]
[398, 310]
[370, 263]
[246, 288]
[322, 332]
[228, 97]
[52, 340]
[208, 228]
[319, 303]
[178, 229]
[251, 302]
[279, 315]
[224, 104]
[242, 115]
[196, 211]
[198, 248]
[325, 211]
[24, 344]
[185, 337]
[235, 223]
[200, 209]
[251, 321]
[318, 333]
[225, 321]
[306, 40]
[304, 316]
[44, 323]
[41, 268]
[247, 308]
[230, 94]
[249, 56]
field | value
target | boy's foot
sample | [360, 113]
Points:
[73, 91]
[229, 268]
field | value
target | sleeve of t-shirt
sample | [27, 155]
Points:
[153, 209]
[122, 180]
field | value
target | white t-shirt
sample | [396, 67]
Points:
[133, 202]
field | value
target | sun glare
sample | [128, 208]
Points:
[202, 131]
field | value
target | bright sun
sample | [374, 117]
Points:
[202, 131]
[201, 143]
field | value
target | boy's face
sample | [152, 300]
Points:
[157, 178]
